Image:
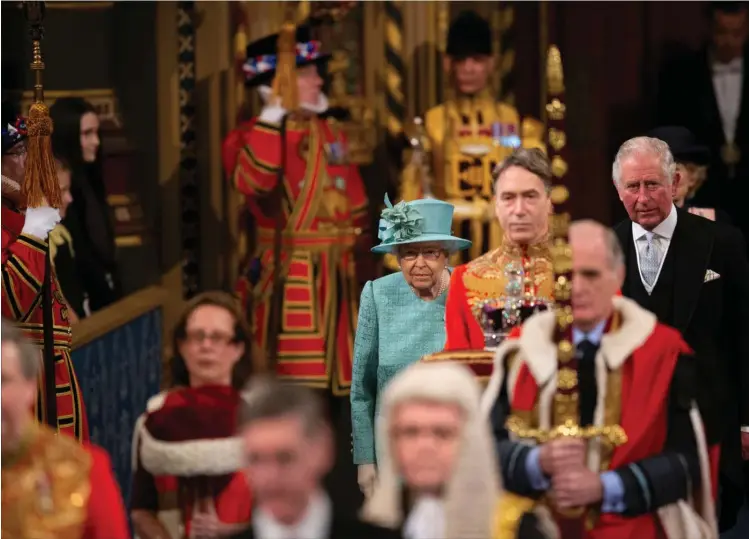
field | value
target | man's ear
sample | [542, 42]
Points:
[620, 274]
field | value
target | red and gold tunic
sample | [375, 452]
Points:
[59, 489]
[325, 223]
[23, 261]
[485, 279]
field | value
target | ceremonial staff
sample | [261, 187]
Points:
[40, 188]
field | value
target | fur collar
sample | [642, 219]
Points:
[539, 352]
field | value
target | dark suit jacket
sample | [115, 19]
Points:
[712, 316]
[686, 97]
[343, 527]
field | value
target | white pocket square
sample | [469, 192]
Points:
[711, 275]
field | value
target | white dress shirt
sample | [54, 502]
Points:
[315, 524]
[727, 83]
[426, 520]
[662, 235]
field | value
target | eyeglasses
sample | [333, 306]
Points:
[197, 337]
[428, 254]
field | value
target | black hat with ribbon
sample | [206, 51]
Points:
[469, 35]
[262, 56]
[13, 127]
[683, 144]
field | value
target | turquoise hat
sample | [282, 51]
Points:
[419, 221]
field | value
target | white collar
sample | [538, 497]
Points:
[735, 65]
[665, 228]
[318, 108]
[314, 524]
[426, 520]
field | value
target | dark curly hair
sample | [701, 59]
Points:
[242, 334]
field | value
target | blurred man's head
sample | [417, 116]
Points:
[433, 441]
[521, 186]
[729, 27]
[20, 371]
[644, 176]
[288, 446]
[597, 272]
[469, 55]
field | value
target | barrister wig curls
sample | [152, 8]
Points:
[469, 35]
[244, 367]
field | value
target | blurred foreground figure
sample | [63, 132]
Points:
[53, 487]
[438, 477]
[288, 446]
[602, 426]
[188, 479]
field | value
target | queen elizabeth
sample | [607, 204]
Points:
[402, 315]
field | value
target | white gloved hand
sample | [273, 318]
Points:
[272, 114]
[39, 221]
[367, 478]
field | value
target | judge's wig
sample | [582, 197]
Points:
[473, 490]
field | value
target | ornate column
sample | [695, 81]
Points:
[394, 77]
[189, 187]
[506, 67]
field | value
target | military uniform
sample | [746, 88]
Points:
[466, 138]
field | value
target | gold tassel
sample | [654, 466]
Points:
[284, 84]
[40, 186]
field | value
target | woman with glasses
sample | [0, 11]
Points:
[188, 479]
[402, 315]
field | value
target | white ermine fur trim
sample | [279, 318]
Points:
[186, 459]
[472, 492]
[538, 350]
[690, 519]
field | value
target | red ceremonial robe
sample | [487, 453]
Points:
[186, 422]
[23, 260]
[326, 222]
[646, 378]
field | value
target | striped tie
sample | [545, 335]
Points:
[650, 259]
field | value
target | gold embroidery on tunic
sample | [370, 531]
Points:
[485, 277]
[50, 489]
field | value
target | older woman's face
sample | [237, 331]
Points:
[422, 264]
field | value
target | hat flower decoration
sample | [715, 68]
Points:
[418, 221]
[399, 223]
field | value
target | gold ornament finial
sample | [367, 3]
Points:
[554, 71]
[284, 83]
[40, 179]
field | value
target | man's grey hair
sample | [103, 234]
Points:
[28, 354]
[534, 160]
[644, 146]
[266, 398]
[613, 247]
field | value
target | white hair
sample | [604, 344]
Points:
[644, 146]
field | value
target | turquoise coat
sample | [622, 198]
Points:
[395, 329]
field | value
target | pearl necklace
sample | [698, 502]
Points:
[444, 283]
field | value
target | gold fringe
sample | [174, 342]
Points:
[284, 84]
[40, 186]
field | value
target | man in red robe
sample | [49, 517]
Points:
[490, 295]
[24, 252]
[53, 487]
[602, 426]
[321, 206]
